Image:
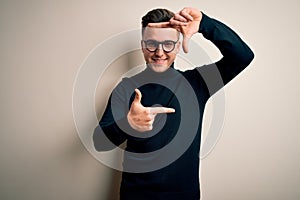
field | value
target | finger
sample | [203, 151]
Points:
[138, 96]
[185, 13]
[159, 110]
[148, 115]
[147, 128]
[174, 22]
[181, 18]
[147, 123]
[185, 44]
[144, 128]
[160, 25]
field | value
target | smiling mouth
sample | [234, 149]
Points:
[159, 61]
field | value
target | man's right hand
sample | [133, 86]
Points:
[141, 118]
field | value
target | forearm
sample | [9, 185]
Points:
[236, 53]
[109, 133]
[108, 137]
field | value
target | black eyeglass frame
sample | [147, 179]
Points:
[157, 43]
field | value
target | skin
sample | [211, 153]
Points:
[160, 61]
[141, 118]
[187, 22]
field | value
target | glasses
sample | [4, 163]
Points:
[167, 45]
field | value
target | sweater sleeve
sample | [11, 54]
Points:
[113, 127]
[236, 54]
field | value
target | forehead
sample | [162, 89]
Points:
[160, 34]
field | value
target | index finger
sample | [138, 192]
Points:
[160, 110]
[160, 25]
[186, 14]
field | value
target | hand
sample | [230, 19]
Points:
[141, 118]
[187, 21]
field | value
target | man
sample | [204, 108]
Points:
[159, 111]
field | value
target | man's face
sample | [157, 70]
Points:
[160, 60]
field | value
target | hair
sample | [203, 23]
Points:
[157, 15]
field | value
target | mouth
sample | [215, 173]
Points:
[159, 60]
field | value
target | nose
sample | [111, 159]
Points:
[159, 51]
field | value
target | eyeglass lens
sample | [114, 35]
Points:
[167, 45]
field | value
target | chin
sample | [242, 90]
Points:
[158, 68]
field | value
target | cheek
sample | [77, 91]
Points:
[146, 54]
[172, 57]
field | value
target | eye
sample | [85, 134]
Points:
[168, 44]
[151, 43]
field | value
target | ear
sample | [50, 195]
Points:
[142, 47]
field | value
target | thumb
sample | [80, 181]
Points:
[138, 96]
[185, 43]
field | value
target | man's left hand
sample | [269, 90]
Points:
[186, 21]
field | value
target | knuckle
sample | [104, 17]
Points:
[183, 11]
[149, 123]
[147, 111]
[136, 119]
[147, 119]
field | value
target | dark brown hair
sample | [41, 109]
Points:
[157, 15]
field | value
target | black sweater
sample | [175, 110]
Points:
[164, 163]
